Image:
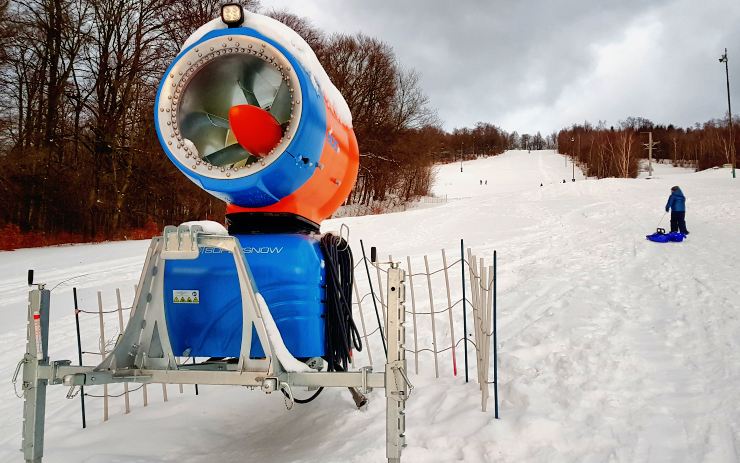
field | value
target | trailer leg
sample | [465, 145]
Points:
[397, 385]
[34, 389]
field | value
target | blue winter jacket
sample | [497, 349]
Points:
[676, 201]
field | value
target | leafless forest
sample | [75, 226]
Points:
[615, 151]
[79, 157]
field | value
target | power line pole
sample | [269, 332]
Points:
[723, 59]
[579, 153]
[462, 146]
[573, 155]
[650, 145]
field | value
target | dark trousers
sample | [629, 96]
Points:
[678, 222]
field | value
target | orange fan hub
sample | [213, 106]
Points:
[255, 129]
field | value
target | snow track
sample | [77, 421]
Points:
[612, 348]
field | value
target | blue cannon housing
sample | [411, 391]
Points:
[289, 271]
[245, 114]
[287, 170]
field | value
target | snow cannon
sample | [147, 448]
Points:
[247, 113]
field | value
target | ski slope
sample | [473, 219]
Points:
[612, 348]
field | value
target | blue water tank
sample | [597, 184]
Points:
[203, 301]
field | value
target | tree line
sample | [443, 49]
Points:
[616, 151]
[79, 157]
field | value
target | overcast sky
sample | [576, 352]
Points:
[545, 64]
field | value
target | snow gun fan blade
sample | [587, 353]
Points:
[256, 130]
[230, 112]
[227, 156]
[282, 105]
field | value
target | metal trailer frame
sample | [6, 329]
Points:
[143, 354]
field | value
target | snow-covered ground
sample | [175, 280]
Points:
[612, 348]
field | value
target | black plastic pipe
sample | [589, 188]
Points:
[79, 354]
[375, 303]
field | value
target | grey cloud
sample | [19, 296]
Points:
[539, 65]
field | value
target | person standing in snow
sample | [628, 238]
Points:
[677, 205]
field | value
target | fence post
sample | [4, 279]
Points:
[465, 318]
[472, 264]
[431, 312]
[79, 354]
[102, 354]
[449, 312]
[483, 279]
[120, 327]
[477, 320]
[483, 327]
[495, 342]
[487, 329]
[482, 338]
[413, 312]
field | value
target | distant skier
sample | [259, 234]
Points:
[481, 182]
[677, 205]
[486, 182]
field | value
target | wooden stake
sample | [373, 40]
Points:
[482, 337]
[431, 312]
[487, 329]
[144, 394]
[474, 293]
[481, 302]
[102, 353]
[413, 312]
[120, 327]
[449, 311]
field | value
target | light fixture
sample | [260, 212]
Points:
[232, 14]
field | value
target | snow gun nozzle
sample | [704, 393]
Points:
[660, 231]
[373, 254]
[30, 277]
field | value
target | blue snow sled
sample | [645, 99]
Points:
[660, 236]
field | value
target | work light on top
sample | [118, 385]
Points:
[232, 14]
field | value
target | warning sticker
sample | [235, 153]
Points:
[186, 296]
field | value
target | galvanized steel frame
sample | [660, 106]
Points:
[131, 360]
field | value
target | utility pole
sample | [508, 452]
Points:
[650, 145]
[462, 146]
[573, 162]
[573, 156]
[723, 59]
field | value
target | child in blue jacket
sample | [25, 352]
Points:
[677, 205]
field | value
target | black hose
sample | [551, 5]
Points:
[304, 401]
[341, 332]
